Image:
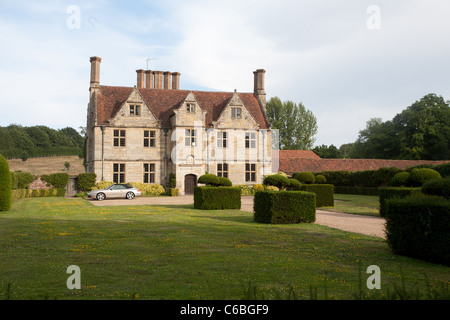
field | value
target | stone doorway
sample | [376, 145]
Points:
[190, 181]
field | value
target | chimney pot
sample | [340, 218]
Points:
[167, 76]
[149, 79]
[158, 79]
[259, 92]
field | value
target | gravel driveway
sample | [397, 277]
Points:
[368, 225]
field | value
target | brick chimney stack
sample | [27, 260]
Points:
[176, 80]
[140, 78]
[158, 79]
[149, 79]
[167, 76]
[259, 92]
[95, 71]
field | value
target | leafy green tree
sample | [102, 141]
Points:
[297, 126]
[328, 152]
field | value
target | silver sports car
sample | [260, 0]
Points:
[116, 191]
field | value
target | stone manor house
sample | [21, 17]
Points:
[146, 132]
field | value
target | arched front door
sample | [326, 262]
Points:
[190, 181]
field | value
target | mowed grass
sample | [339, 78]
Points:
[177, 252]
[356, 204]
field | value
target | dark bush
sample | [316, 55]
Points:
[304, 177]
[320, 179]
[21, 180]
[399, 180]
[443, 169]
[418, 228]
[5, 185]
[284, 207]
[276, 180]
[324, 193]
[418, 177]
[209, 179]
[386, 194]
[172, 180]
[86, 181]
[224, 182]
[338, 178]
[356, 190]
[217, 198]
[438, 187]
[294, 184]
[57, 180]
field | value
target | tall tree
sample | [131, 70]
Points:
[327, 152]
[420, 132]
[297, 126]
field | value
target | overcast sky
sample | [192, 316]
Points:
[346, 60]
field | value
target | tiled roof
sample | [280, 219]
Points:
[291, 165]
[162, 102]
[298, 154]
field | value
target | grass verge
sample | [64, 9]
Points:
[177, 252]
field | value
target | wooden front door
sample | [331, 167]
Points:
[190, 181]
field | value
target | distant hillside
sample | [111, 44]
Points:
[48, 165]
[39, 141]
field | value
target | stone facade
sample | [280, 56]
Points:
[145, 133]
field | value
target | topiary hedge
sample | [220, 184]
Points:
[209, 179]
[86, 181]
[399, 180]
[438, 187]
[388, 193]
[324, 193]
[5, 185]
[417, 177]
[21, 180]
[294, 184]
[320, 179]
[217, 198]
[276, 180]
[57, 180]
[284, 207]
[35, 193]
[304, 177]
[418, 227]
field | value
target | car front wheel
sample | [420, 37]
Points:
[100, 196]
[130, 195]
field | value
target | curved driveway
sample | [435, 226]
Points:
[368, 225]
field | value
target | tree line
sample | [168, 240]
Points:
[420, 132]
[17, 141]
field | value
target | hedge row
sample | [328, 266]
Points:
[5, 185]
[418, 227]
[21, 180]
[27, 193]
[57, 180]
[217, 198]
[324, 193]
[389, 193]
[284, 207]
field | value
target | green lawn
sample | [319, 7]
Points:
[177, 252]
[357, 204]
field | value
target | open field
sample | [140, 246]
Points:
[48, 165]
[177, 252]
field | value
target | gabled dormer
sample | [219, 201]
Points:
[189, 113]
[235, 115]
[134, 112]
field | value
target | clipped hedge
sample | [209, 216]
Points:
[389, 193]
[399, 180]
[209, 179]
[149, 190]
[418, 228]
[57, 180]
[438, 187]
[417, 177]
[86, 181]
[294, 184]
[284, 207]
[304, 177]
[320, 179]
[217, 198]
[277, 180]
[21, 180]
[324, 193]
[36, 193]
[5, 185]
[366, 191]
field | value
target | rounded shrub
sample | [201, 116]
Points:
[418, 177]
[437, 187]
[294, 184]
[399, 180]
[224, 182]
[5, 185]
[443, 169]
[320, 179]
[209, 179]
[304, 177]
[258, 187]
[276, 180]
